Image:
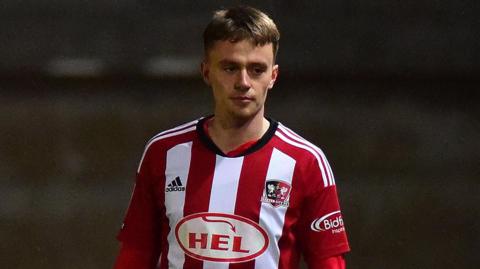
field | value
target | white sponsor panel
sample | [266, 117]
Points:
[220, 237]
[177, 165]
[223, 195]
[281, 166]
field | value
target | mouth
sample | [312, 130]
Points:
[242, 98]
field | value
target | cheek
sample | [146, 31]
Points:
[265, 95]
[219, 94]
[220, 83]
[263, 87]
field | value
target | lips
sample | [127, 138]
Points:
[242, 98]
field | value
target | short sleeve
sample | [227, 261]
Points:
[321, 229]
[141, 226]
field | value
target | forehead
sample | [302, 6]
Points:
[240, 51]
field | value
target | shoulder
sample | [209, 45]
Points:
[306, 153]
[166, 139]
[296, 143]
[175, 133]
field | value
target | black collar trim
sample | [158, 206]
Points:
[260, 143]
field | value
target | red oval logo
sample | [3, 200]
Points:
[220, 237]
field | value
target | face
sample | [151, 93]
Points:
[240, 75]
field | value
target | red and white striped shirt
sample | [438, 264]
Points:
[199, 208]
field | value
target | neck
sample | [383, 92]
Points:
[229, 134]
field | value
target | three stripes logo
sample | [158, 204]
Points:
[175, 185]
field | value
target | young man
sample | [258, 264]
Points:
[236, 189]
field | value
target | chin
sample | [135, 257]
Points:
[245, 114]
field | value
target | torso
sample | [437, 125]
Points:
[217, 210]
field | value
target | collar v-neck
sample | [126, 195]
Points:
[242, 150]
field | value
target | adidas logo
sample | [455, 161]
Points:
[175, 185]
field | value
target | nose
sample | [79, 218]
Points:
[243, 81]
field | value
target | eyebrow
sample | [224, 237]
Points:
[231, 62]
[227, 62]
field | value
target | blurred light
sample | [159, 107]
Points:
[75, 67]
[172, 66]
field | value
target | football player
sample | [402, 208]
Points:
[234, 189]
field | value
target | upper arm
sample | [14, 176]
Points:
[142, 223]
[321, 229]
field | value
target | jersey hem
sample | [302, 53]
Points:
[333, 252]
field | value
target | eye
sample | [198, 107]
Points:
[258, 70]
[229, 68]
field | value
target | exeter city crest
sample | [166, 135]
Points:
[277, 193]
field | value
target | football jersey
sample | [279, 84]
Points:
[262, 209]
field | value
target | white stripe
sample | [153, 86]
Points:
[272, 219]
[225, 183]
[177, 165]
[160, 138]
[224, 193]
[175, 129]
[294, 136]
[325, 181]
[330, 171]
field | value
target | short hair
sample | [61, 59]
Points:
[240, 23]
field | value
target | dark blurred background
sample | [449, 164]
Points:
[388, 89]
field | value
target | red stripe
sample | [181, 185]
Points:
[197, 196]
[250, 190]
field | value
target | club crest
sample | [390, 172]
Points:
[277, 193]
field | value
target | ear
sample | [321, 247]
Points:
[205, 70]
[274, 76]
